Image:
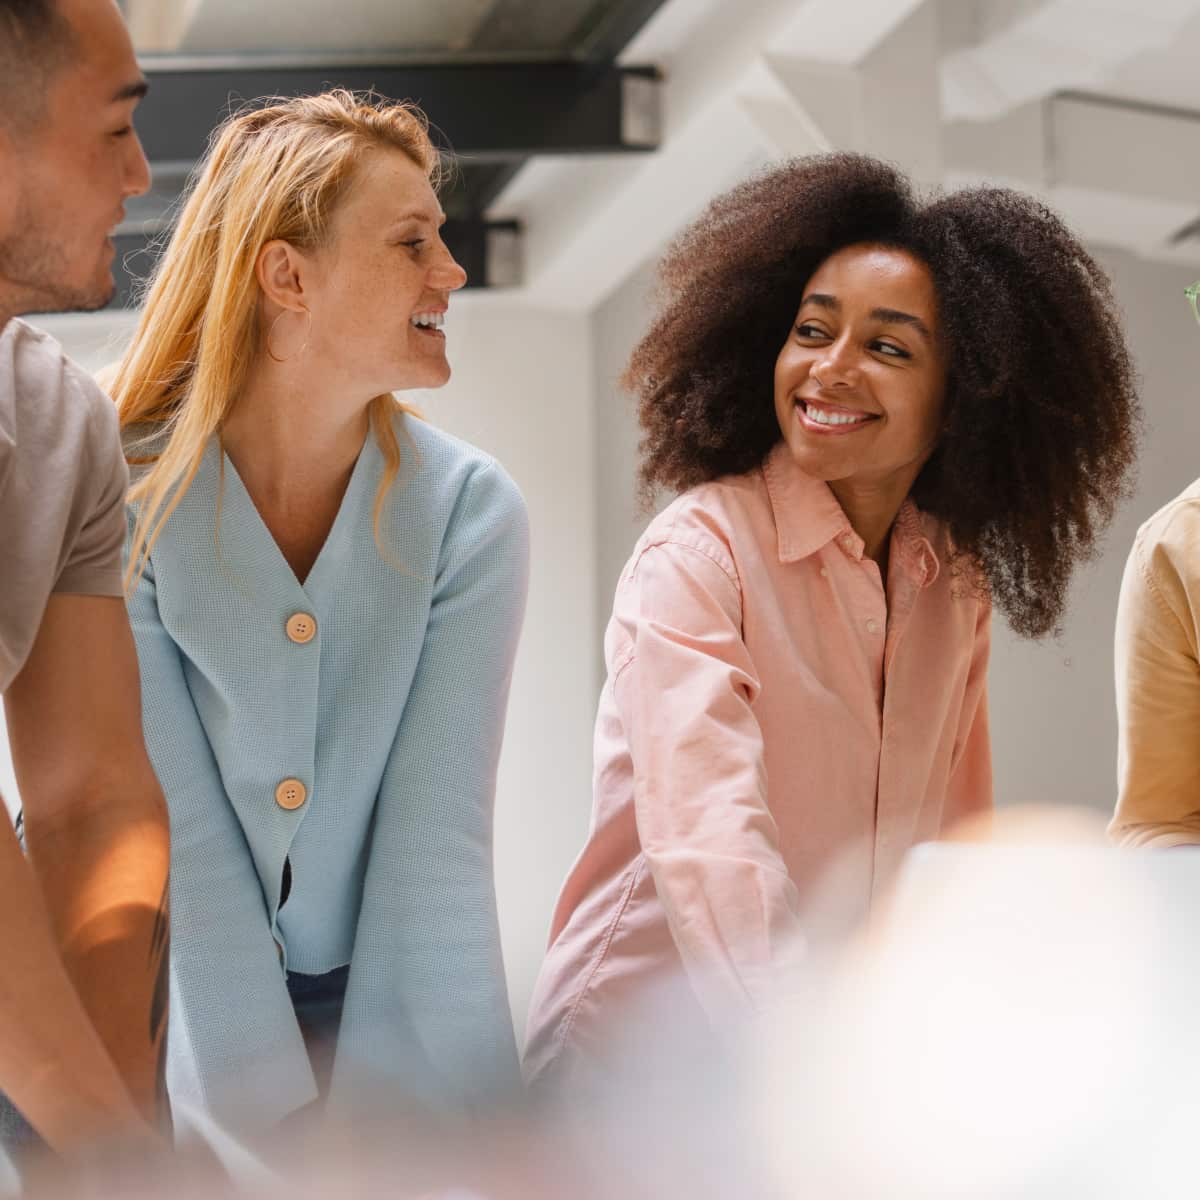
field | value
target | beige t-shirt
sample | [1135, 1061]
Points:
[62, 488]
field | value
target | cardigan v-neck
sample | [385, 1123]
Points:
[349, 510]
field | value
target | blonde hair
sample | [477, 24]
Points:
[275, 171]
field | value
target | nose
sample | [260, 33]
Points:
[837, 367]
[137, 169]
[446, 275]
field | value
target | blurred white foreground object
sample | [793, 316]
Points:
[1024, 1021]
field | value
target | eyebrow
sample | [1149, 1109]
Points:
[131, 91]
[892, 316]
[420, 214]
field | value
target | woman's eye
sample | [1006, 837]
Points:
[805, 330]
[415, 244]
[120, 133]
[891, 350]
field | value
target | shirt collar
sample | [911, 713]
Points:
[911, 538]
[808, 517]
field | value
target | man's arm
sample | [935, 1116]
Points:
[52, 1063]
[96, 828]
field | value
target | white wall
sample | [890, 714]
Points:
[617, 325]
[1053, 715]
[1053, 718]
[522, 391]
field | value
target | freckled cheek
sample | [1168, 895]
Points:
[361, 294]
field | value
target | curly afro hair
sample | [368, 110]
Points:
[1041, 420]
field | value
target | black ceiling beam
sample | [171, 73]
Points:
[480, 111]
[484, 249]
[473, 189]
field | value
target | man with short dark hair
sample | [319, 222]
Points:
[83, 941]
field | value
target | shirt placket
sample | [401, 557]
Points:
[869, 613]
[893, 816]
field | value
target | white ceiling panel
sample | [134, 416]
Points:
[1056, 46]
[158, 25]
[274, 26]
[1167, 75]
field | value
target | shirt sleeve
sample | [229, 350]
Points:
[93, 563]
[426, 1014]
[235, 1051]
[969, 790]
[1158, 700]
[686, 697]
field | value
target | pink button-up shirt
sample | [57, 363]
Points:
[769, 712]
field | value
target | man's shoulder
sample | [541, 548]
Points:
[1177, 522]
[62, 485]
[1168, 548]
[45, 398]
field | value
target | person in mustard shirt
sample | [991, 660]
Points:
[882, 415]
[1157, 658]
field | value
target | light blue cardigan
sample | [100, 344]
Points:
[391, 717]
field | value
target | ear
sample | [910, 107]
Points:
[280, 270]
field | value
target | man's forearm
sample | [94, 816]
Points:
[53, 1065]
[102, 863]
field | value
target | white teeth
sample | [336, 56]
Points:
[829, 418]
[429, 320]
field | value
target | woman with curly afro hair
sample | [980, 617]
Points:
[883, 415]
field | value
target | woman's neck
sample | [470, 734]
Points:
[871, 509]
[287, 435]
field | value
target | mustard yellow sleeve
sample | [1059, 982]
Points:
[1158, 685]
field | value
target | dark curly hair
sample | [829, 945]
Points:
[1041, 421]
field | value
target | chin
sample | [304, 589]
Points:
[818, 464]
[437, 378]
[89, 298]
[102, 297]
[95, 295]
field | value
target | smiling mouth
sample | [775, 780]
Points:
[829, 418]
[430, 323]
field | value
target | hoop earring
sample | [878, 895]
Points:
[307, 334]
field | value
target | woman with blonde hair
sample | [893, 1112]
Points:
[326, 594]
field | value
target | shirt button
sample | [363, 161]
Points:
[301, 628]
[291, 793]
[872, 626]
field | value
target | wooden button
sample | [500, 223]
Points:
[291, 793]
[301, 628]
